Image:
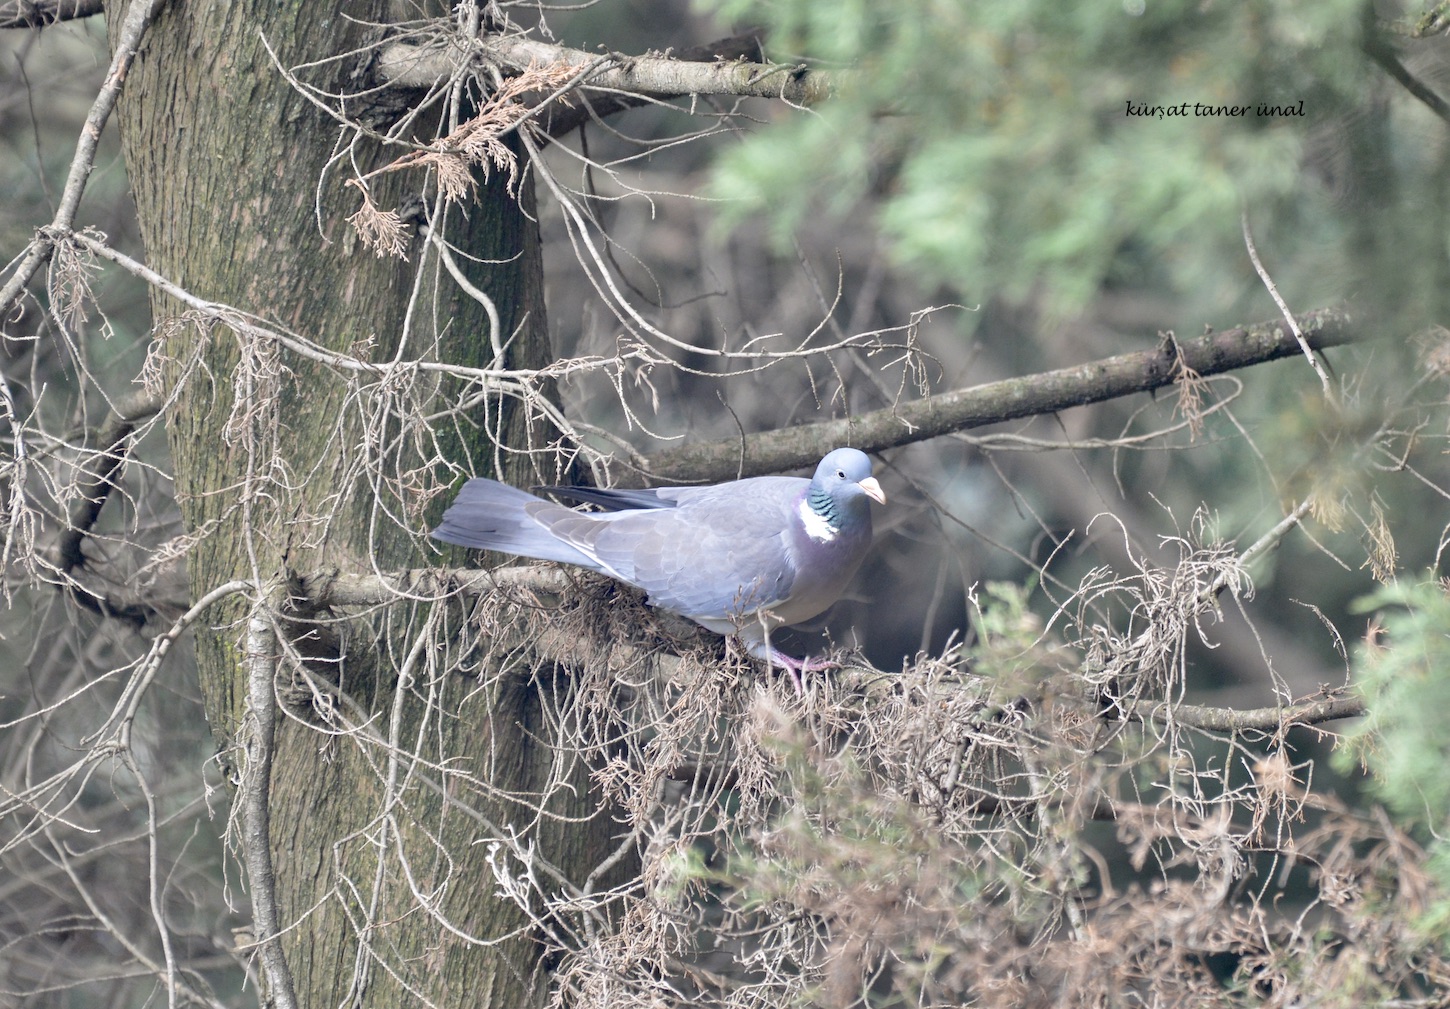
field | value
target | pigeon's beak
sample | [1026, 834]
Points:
[873, 490]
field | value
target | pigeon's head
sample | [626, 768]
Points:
[841, 487]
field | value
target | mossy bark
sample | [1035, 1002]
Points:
[229, 166]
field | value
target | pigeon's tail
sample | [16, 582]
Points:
[489, 515]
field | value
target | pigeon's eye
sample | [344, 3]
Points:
[841, 473]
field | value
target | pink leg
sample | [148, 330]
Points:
[794, 666]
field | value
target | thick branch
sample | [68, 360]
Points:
[995, 402]
[322, 591]
[1307, 712]
[39, 13]
[254, 798]
[560, 119]
[657, 76]
[98, 477]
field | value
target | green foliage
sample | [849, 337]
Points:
[992, 141]
[887, 882]
[893, 877]
[1010, 651]
[1403, 669]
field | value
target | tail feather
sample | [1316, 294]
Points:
[488, 515]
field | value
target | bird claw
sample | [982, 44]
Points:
[796, 667]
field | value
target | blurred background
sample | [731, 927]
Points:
[980, 161]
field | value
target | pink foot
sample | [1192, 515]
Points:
[798, 666]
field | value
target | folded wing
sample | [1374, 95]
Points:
[711, 554]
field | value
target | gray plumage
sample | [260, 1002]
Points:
[738, 558]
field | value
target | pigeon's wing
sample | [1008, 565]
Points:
[616, 500]
[489, 515]
[721, 552]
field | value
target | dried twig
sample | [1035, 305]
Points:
[1284, 309]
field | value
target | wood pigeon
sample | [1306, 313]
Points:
[738, 558]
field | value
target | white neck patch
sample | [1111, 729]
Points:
[817, 527]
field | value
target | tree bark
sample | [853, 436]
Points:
[225, 160]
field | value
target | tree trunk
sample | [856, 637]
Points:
[225, 159]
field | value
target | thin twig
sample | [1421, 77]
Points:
[1284, 309]
[123, 712]
[1261, 546]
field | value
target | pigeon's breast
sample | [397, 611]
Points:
[824, 566]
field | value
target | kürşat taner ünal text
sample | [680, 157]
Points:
[1201, 109]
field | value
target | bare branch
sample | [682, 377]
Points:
[254, 797]
[1312, 711]
[319, 591]
[1379, 49]
[39, 13]
[1284, 308]
[560, 119]
[326, 590]
[657, 76]
[995, 402]
[98, 478]
[138, 17]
